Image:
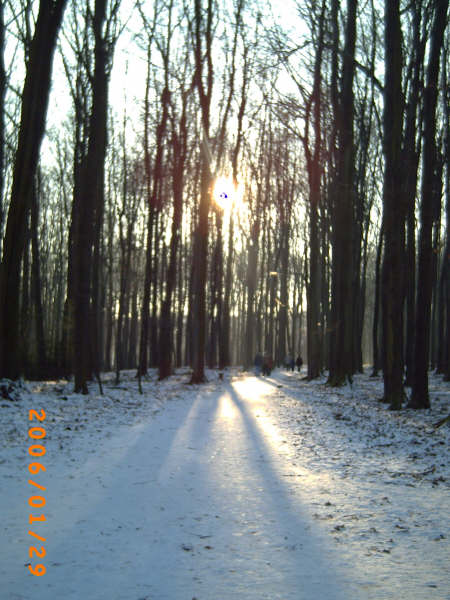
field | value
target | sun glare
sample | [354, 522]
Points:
[226, 194]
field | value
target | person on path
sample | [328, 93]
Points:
[287, 361]
[299, 363]
[267, 364]
[258, 363]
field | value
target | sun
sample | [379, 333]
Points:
[226, 194]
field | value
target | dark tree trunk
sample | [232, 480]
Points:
[97, 270]
[436, 242]
[393, 212]
[25, 312]
[180, 312]
[362, 302]
[200, 269]
[157, 279]
[410, 291]
[145, 312]
[224, 342]
[149, 329]
[179, 145]
[133, 331]
[283, 309]
[252, 265]
[325, 274]
[215, 308]
[41, 366]
[153, 185]
[441, 358]
[189, 349]
[419, 394]
[446, 264]
[125, 265]
[273, 287]
[411, 155]
[363, 204]
[90, 200]
[80, 99]
[32, 124]
[2, 117]
[109, 296]
[377, 302]
[341, 365]
[314, 167]
[201, 235]
[444, 311]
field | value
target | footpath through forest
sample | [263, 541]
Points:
[246, 488]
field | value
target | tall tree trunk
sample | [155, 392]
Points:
[189, 347]
[446, 260]
[435, 243]
[2, 117]
[97, 270]
[149, 330]
[109, 296]
[157, 282]
[252, 265]
[124, 285]
[411, 156]
[284, 296]
[341, 366]
[91, 196]
[393, 212]
[41, 367]
[445, 269]
[377, 301]
[166, 330]
[216, 277]
[201, 234]
[133, 337]
[314, 167]
[224, 343]
[180, 313]
[25, 311]
[32, 124]
[419, 393]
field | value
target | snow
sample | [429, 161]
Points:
[247, 488]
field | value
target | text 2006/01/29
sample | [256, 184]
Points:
[36, 501]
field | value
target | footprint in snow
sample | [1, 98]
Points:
[187, 547]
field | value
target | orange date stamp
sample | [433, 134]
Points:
[36, 433]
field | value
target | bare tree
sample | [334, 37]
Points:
[91, 199]
[419, 394]
[153, 180]
[179, 153]
[341, 357]
[393, 211]
[203, 35]
[2, 115]
[32, 124]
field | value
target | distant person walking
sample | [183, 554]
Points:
[299, 363]
[267, 364]
[258, 363]
[289, 362]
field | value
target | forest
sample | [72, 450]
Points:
[188, 183]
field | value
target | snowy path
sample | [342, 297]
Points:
[206, 500]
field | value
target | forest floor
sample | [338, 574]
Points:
[245, 488]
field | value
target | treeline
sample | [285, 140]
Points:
[117, 251]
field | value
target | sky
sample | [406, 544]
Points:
[127, 84]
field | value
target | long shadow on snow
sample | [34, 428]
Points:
[91, 502]
[286, 505]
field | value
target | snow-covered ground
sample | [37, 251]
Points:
[246, 488]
